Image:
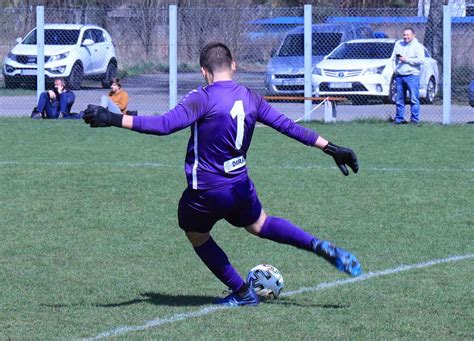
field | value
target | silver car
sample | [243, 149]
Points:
[285, 70]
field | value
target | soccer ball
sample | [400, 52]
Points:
[265, 280]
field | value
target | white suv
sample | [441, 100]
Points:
[364, 68]
[71, 51]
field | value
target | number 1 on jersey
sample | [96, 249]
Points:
[238, 111]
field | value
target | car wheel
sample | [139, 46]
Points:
[10, 82]
[392, 92]
[109, 75]
[76, 76]
[430, 91]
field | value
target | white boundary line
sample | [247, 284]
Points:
[209, 310]
[161, 165]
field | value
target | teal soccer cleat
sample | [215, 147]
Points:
[340, 258]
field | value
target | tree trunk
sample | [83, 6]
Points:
[434, 31]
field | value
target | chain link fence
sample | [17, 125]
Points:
[268, 44]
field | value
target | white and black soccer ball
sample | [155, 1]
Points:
[265, 280]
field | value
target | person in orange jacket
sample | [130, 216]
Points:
[117, 99]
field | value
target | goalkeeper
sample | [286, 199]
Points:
[222, 117]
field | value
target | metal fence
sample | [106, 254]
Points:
[268, 44]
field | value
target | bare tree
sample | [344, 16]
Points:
[434, 31]
[143, 22]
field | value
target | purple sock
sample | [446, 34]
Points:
[284, 232]
[216, 260]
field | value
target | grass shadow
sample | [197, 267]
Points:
[151, 298]
[163, 299]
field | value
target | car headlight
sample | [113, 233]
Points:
[58, 57]
[11, 56]
[9, 68]
[374, 70]
[318, 71]
[57, 70]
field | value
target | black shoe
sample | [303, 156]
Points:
[35, 113]
[399, 122]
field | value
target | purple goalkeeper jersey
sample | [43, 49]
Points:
[222, 117]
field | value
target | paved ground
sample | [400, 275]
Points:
[149, 95]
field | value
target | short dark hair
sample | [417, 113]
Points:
[116, 81]
[409, 28]
[63, 81]
[215, 57]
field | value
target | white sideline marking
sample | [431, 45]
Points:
[208, 310]
[161, 165]
[75, 163]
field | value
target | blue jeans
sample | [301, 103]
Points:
[52, 107]
[107, 103]
[412, 84]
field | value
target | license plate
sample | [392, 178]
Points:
[340, 85]
[29, 72]
[292, 82]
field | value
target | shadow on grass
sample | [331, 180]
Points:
[151, 298]
[194, 301]
[162, 299]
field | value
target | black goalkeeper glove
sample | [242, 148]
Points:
[97, 117]
[342, 156]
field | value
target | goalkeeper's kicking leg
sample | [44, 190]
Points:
[283, 231]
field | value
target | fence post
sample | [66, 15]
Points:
[173, 55]
[40, 86]
[447, 64]
[308, 56]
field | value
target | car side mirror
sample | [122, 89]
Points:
[87, 42]
[19, 40]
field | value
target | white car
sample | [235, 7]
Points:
[71, 51]
[365, 68]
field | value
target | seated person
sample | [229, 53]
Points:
[117, 99]
[55, 103]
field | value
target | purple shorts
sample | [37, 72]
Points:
[199, 210]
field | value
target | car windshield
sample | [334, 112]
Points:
[323, 44]
[363, 51]
[54, 37]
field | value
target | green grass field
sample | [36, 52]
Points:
[90, 242]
